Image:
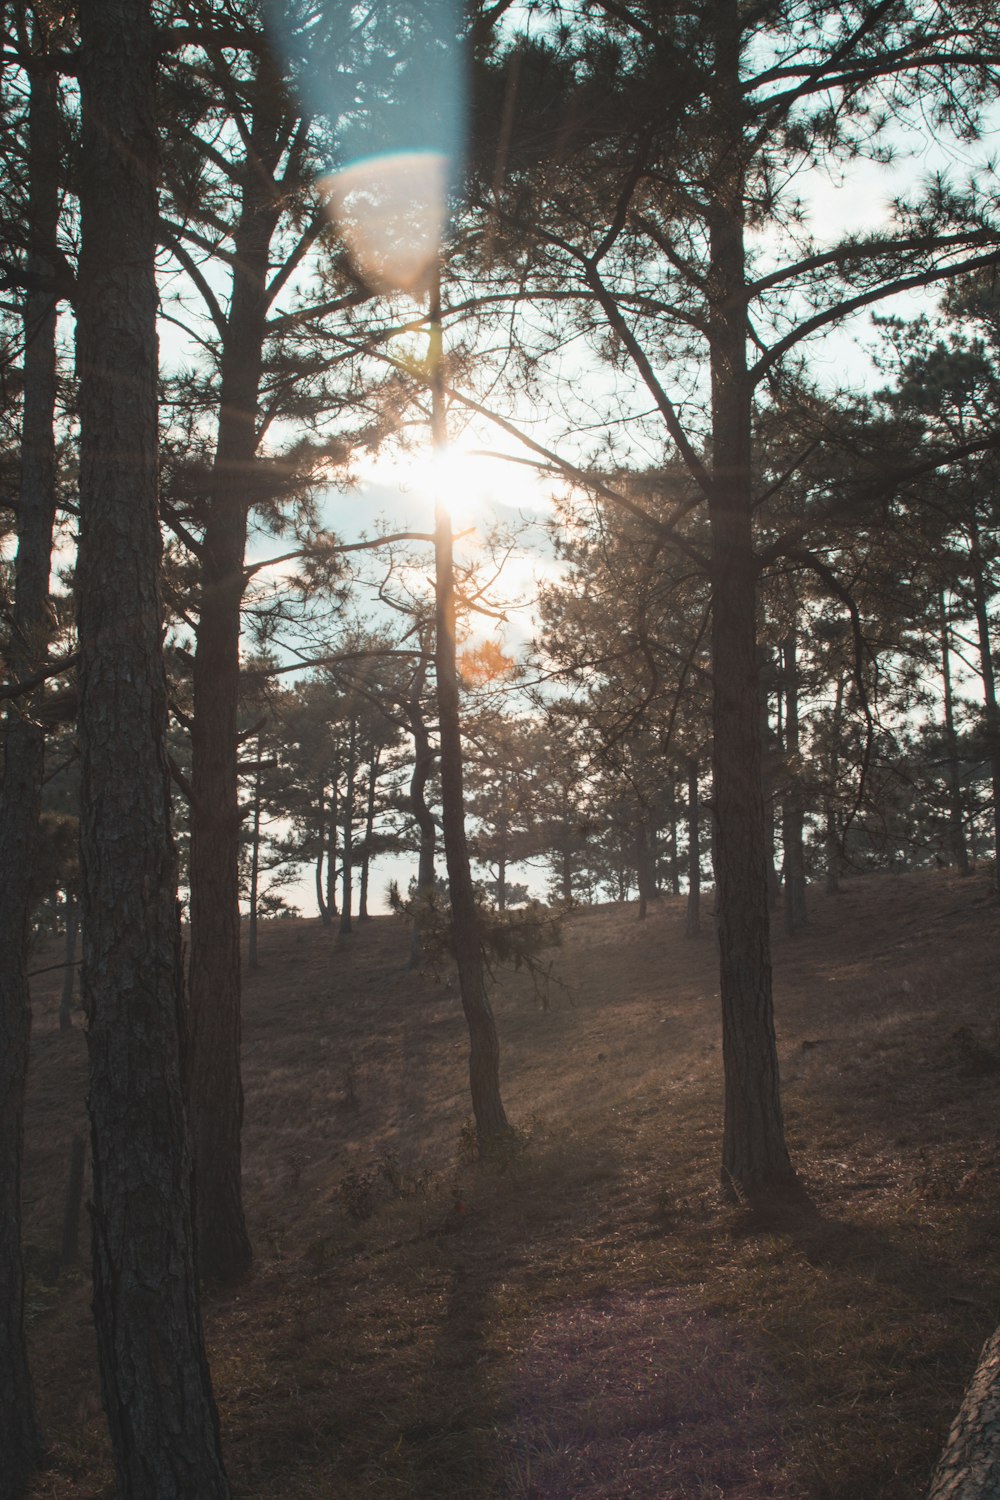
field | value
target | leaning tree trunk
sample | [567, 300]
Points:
[24, 754]
[969, 1467]
[216, 1088]
[484, 1055]
[755, 1159]
[154, 1375]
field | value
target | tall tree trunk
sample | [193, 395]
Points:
[793, 810]
[755, 1159]
[24, 754]
[956, 820]
[154, 1376]
[484, 1055]
[347, 857]
[216, 1087]
[693, 921]
[992, 715]
[69, 956]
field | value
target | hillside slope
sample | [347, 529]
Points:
[586, 1320]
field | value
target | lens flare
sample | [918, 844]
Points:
[385, 85]
[391, 212]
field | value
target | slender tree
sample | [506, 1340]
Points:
[492, 1126]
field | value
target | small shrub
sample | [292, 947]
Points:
[362, 1189]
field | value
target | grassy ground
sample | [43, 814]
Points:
[585, 1321]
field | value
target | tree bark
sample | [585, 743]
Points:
[755, 1160]
[24, 751]
[216, 1088]
[154, 1376]
[969, 1467]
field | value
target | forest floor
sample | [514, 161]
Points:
[585, 1320]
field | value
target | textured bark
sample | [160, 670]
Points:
[20, 1439]
[969, 1467]
[154, 1376]
[216, 1088]
[755, 1160]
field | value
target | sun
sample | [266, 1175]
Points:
[475, 487]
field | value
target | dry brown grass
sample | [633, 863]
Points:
[586, 1321]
